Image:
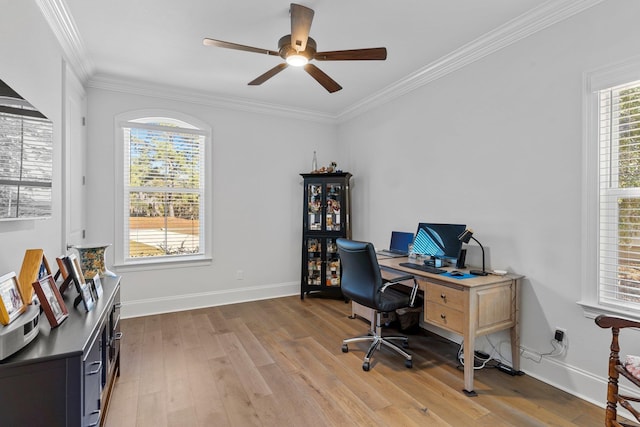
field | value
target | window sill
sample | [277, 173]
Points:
[162, 264]
[592, 310]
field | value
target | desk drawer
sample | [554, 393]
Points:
[446, 317]
[446, 296]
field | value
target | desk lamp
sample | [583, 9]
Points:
[464, 237]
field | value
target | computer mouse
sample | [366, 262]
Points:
[456, 273]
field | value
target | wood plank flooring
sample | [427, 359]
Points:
[279, 363]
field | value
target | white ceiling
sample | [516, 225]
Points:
[159, 42]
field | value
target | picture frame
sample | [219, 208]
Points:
[12, 303]
[63, 272]
[84, 290]
[51, 300]
[96, 286]
[34, 267]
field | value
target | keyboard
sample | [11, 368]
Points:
[423, 267]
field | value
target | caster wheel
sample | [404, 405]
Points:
[405, 344]
[345, 348]
[408, 364]
[365, 366]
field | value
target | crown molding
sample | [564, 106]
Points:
[64, 28]
[117, 84]
[525, 25]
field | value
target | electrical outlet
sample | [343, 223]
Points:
[559, 334]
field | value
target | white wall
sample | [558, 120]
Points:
[257, 203]
[498, 145]
[31, 63]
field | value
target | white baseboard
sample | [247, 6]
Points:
[563, 376]
[555, 372]
[170, 304]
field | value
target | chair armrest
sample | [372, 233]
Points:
[401, 278]
[395, 280]
[615, 322]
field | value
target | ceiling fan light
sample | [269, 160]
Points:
[297, 60]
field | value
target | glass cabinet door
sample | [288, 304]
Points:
[314, 206]
[334, 199]
[319, 272]
[333, 264]
[314, 262]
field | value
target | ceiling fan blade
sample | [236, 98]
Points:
[266, 76]
[301, 18]
[327, 82]
[229, 45]
[375, 53]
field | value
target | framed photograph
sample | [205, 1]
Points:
[62, 267]
[34, 267]
[84, 290]
[51, 300]
[63, 273]
[11, 302]
[96, 286]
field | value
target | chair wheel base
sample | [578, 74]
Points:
[345, 348]
[408, 364]
[366, 366]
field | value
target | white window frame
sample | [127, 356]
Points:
[122, 261]
[593, 82]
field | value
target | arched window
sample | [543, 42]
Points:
[163, 189]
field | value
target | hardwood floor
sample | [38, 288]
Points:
[279, 363]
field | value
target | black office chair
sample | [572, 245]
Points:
[362, 282]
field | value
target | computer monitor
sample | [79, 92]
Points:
[438, 240]
[400, 242]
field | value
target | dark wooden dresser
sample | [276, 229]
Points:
[65, 376]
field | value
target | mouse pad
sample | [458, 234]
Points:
[464, 276]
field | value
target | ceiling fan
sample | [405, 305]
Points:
[297, 49]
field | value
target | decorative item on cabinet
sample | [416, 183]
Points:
[92, 259]
[51, 300]
[18, 334]
[12, 302]
[84, 291]
[34, 267]
[96, 286]
[63, 273]
[332, 168]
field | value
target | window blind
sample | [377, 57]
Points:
[619, 195]
[26, 160]
[164, 190]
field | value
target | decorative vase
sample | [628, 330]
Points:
[92, 260]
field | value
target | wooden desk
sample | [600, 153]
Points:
[469, 307]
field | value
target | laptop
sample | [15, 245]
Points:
[399, 246]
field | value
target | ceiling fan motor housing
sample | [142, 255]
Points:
[285, 49]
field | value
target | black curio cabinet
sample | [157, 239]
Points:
[326, 217]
